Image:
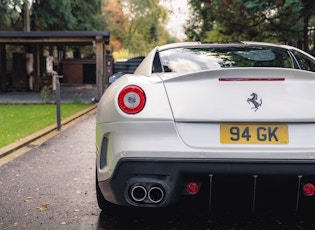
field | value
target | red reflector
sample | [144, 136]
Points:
[192, 188]
[251, 79]
[308, 189]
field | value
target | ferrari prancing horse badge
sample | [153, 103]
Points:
[256, 103]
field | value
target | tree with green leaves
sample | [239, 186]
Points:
[143, 22]
[202, 19]
[287, 21]
[10, 18]
[61, 15]
[136, 25]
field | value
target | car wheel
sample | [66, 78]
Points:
[104, 205]
[102, 202]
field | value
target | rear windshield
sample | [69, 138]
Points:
[198, 59]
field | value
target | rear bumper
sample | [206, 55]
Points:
[224, 184]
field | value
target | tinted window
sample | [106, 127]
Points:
[197, 59]
[156, 68]
[304, 62]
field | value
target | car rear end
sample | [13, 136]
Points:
[216, 144]
[252, 130]
[234, 139]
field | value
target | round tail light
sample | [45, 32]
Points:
[131, 99]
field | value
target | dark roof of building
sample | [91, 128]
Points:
[64, 37]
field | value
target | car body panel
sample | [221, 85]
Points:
[202, 97]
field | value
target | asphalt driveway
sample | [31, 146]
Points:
[52, 186]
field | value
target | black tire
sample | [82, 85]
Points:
[104, 205]
[100, 198]
[102, 202]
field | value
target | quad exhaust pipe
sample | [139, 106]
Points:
[138, 193]
[151, 194]
[156, 194]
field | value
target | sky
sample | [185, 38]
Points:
[177, 17]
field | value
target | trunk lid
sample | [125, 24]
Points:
[242, 95]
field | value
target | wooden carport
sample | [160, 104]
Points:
[38, 39]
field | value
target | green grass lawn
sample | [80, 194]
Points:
[18, 121]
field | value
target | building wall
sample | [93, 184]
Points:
[79, 71]
[72, 72]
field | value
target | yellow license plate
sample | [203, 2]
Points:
[254, 134]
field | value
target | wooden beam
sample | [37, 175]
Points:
[36, 72]
[72, 40]
[100, 66]
[3, 68]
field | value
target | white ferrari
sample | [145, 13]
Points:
[231, 125]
